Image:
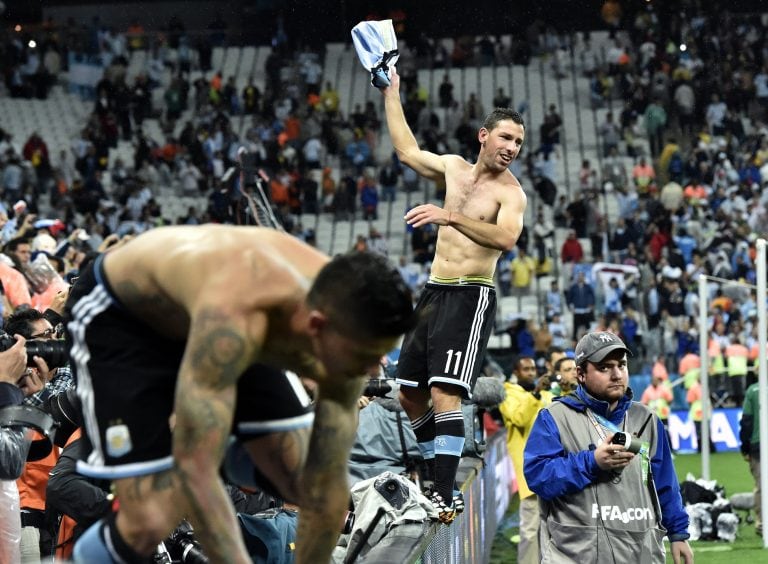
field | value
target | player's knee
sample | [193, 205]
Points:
[413, 396]
[446, 396]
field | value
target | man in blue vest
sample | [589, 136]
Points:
[602, 468]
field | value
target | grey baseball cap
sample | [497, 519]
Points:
[594, 347]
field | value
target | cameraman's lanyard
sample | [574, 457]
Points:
[600, 424]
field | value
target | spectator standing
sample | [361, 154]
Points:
[571, 251]
[655, 123]
[388, 176]
[410, 179]
[13, 176]
[715, 115]
[614, 170]
[523, 401]
[369, 198]
[610, 134]
[251, 98]
[554, 300]
[329, 100]
[445, 92]
[587, 177]
[328, 187]
[522, 268]
[501, 100]
[685, 103]
[612, 298]
[358, 152]
[657, 396]
[581, 301]
[736, 358]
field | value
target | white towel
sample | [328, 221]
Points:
[376, 46]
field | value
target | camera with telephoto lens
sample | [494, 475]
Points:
[52, 351]
[377, 387]
[626, 440]
[181, 546]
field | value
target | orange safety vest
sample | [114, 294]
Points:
[34, 479]
[737, 356]
[64, 542]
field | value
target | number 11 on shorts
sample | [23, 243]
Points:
[455, 357]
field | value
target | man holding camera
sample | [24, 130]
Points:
[14, 445]
[602, 468]
[46, 381]
[564, 376]
[519, 409]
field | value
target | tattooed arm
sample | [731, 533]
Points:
[217, 353]
[325, 486]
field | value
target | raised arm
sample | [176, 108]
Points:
[325, 486]
[217, 353]
[425, 163]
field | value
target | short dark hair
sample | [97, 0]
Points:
[559, 362]
[553, 349]
[518, 359]
[20, 322]
[500, 114]
[13, 244]
[364, 295]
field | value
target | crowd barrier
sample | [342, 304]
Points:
[488, 485]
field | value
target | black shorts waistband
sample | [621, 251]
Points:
[468, 280]
[458, 287]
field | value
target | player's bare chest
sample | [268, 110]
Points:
[476, 200]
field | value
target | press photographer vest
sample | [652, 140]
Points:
[617, 518]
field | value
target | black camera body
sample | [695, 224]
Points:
[181, 546]
[626, 440]
[377, 388]
[52, 351]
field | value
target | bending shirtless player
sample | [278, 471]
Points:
[483, 216]
[175, 322]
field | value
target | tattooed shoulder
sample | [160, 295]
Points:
[218, 347]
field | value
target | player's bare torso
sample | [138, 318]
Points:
[456, 254]
[167, 275]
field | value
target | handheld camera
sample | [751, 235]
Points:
[629, 442]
